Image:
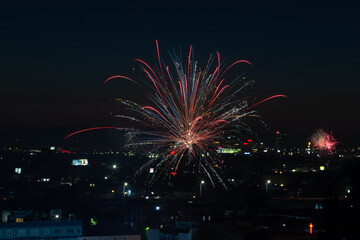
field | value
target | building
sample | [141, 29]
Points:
[180, 231]
[110, 231]
[64, 230]
[116, 237]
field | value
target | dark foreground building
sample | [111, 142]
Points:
[65, 230]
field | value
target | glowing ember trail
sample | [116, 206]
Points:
[191, 109]
[89, 129]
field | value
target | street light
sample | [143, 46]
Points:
[266, 185]
[201, 184]
[124, 186]
[311, 228]
[114, 166]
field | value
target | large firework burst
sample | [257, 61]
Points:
[191, 108]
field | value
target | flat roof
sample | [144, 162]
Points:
[75, 223]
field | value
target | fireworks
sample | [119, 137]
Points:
[324, 141]
[191, 109]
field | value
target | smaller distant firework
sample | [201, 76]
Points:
[324, 141]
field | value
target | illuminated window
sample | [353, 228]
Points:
[18, 220]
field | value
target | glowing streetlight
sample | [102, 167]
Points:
[266, 184]
[114, 166]
[124, 188]
[311, 228]
[201, 184]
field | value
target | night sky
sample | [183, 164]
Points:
[55, 56]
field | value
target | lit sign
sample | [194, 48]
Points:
[79, 162]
